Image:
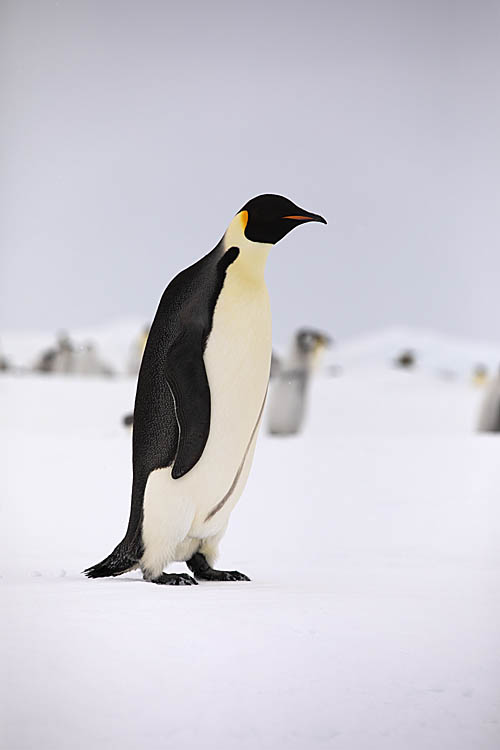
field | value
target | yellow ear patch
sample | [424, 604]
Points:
[244, 219]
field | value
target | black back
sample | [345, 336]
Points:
[172, 390]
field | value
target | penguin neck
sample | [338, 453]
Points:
[297, 359]
[305, 360]
[251, 261]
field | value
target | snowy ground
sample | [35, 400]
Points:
[373, 615]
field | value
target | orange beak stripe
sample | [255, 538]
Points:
[303, 218]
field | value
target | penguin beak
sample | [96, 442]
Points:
[305, 216]
[323, 342]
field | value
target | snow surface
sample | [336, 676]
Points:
[373, 615]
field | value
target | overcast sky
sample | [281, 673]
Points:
[131, 132]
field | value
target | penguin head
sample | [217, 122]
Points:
[268, 218]
[310, 341]
[309, 346]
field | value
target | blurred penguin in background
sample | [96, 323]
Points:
[134, 365]
[58, 359]
[4, 363]
[87, 362]
[45, 362]
[406, 360]
[275, 365]
[288, 395]
[489, 418]
[64, 360]
[137, 350]
[480, 375]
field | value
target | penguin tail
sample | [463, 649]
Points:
[121, 560]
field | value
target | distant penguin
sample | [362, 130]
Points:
[64, 360]
[4, 363]
[406, 360]
[288, 394]
[46, 361]
[87, 362]
[480, 375]
[200, 396]
[59, 359]
[136, 351]
[489, 418]
[275, 365]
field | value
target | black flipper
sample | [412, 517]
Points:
[188, 382]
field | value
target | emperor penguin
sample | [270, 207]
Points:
[288, 397]
[200, 396]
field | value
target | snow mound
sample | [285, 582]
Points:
[435, 352]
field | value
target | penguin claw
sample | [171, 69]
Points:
[175, 579]
[222, 575]
[236, 576]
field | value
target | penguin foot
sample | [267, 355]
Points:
[222, 575]
[203, 572]
[174, 579]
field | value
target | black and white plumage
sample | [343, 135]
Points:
[200, 395]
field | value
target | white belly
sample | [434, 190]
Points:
[237, 360]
